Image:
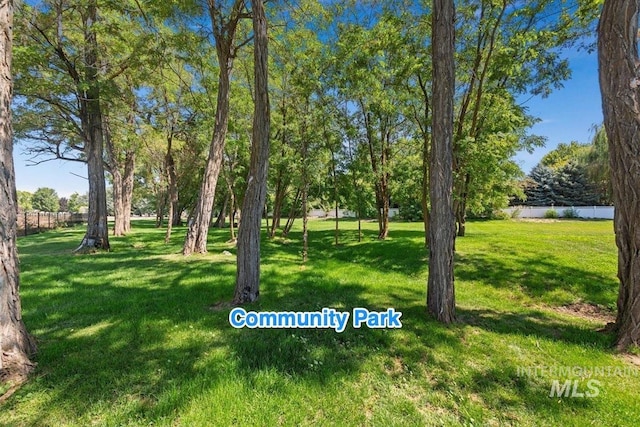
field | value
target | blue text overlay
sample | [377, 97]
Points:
[328, 318]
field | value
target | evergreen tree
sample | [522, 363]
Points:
[541, 193]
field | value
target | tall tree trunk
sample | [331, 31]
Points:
[279, 197]
[385, 197]
[425, 188]
[620, 86]
[384, 182]
[222, 215]
[161, 204]
[440, 287]
[305, 213]
[248, 260]
[423, 121]
[232, 214]
[97, 235]
[378, 170]
[177, 214]
[16, 345]
[196, 239]
[127, 188]
[122, 190]
[172, 178]
[334, 174]
[293, 212]
[305, 185]
[118, 202]
[122, 173]
[225, 34]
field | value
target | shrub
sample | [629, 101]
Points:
[570, 213]
[551, 214]
[411, 213]
[500, 214]
[515, 214]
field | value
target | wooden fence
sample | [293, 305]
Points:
[36, 222]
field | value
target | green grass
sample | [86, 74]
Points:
[128, 337]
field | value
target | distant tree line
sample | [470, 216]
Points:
[47, 200]
[571, 175]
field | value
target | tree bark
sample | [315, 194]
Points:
[222, 215]
[196, 239]
[426, 144]
[379, 171]
[440, 287]
[305, 185]
[172, 178]
[225, 33]
[118, 202]
[97, 235]
[620, 86]
[248, 260]
[335, 198]
[127, 189]
[232, 214]
[293, 212]
[16, 345]
[280, 195]
[122, 173]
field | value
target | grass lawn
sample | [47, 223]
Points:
[129, 337]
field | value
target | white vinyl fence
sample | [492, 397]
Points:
[344, 213]
[601, 212]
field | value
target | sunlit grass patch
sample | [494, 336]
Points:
[129, 337]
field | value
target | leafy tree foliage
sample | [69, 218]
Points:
[598, 167]
[24, 201]
[78, 203]
[573, 174]
[45, 200]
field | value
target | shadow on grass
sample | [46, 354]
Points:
[403, 252]
[538, 278]
[132, 329]
[536, 324]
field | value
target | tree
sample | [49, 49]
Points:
[24, 201]
[224, 27]
[16, 345]
[561, 179]
[63, 204]
[619, 84]
[540, 192]
[248, 260]
[563, 154]
[373, 69]
[77, 203]
[441, 302]
[596, 163]
[572, 186]
[46, 200]
[506, 48]
[61, 84]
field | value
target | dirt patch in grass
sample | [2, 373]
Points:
[634, 359]
[588, 311]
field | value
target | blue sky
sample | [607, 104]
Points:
[568, 114]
